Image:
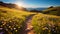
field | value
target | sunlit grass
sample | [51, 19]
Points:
[12, 20]
[44, 24]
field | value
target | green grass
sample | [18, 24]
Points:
[52, 11]
[42, 24]
[12, 20]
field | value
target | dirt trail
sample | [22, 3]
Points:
[28, 28]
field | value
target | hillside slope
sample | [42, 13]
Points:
[52, 11]
[11, 20]
[46, 24]
[11, 5]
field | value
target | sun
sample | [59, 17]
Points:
[19, 4]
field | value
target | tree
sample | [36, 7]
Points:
[50, 7]
[1, 2]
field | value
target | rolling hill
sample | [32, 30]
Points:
[52, 11]
[46, 24]
[11, 20]
[10, 5]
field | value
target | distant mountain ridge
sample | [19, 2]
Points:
[10, 5]
[39, 9]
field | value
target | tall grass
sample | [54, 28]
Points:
[11, 20]
[46, 24]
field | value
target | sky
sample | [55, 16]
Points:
[34, 3]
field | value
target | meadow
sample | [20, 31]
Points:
[46, 24]
[12, 20]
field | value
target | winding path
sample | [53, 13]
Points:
[28, 28]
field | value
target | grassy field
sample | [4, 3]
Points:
[46, 24]
[12, 20]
